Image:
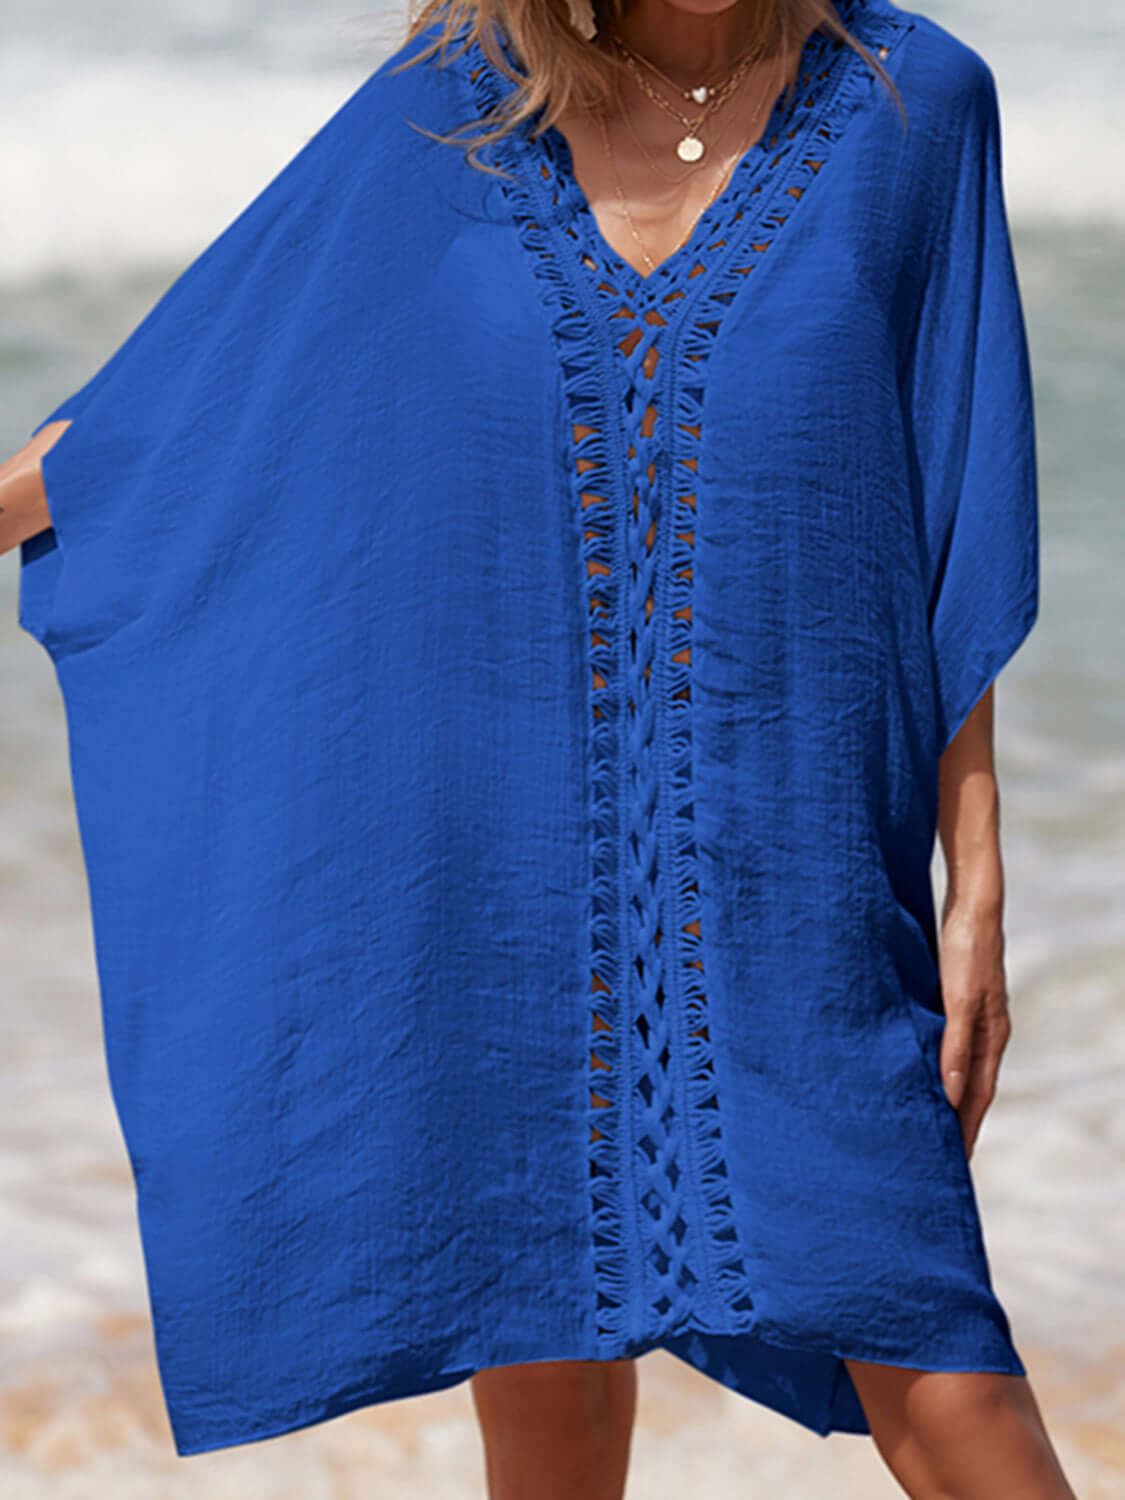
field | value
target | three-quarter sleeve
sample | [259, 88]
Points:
[969, 407]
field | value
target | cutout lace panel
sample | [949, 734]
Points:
[633, 351]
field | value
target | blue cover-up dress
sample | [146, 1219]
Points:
[504, 696]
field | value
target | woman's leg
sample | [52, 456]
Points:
[960, 1435]
[557, 1430]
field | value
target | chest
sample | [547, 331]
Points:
[737, 410]
[645, 201]
[769, 341]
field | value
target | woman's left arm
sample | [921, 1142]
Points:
[971, 959]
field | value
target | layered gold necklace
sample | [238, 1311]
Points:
[690, 147]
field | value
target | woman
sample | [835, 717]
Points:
[522, 626]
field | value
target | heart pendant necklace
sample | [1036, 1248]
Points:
[690, 146]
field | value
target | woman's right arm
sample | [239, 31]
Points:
[23, 498]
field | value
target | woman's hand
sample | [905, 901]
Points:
[23, 499]
[971, 957]
[977, 1025]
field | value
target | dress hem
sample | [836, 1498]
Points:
[837, 1409]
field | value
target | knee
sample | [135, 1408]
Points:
[954, 1435]
[954, 1401]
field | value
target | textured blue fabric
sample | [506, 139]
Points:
[505, 695]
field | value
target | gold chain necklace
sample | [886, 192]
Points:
[658, 170]
[690, 147]
[701, 92]
[625, 207]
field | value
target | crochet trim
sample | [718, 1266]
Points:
[635, 406]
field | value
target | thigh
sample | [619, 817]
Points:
[973, 1434]
[557, 1429]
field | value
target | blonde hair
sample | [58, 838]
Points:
[562, 67]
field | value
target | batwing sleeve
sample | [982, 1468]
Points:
[970, 412]
[206, 331]
[175, 443]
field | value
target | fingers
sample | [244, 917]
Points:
[976, 1035]
[991, 1035]
[957, 1051]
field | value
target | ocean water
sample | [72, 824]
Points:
[130, 134]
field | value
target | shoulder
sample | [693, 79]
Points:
[948, 91]
[416, 73]
[381, 125]
[932, 173]
[943, 76]
[378, 143]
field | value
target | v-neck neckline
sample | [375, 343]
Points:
[747, 171]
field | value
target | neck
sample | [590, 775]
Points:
[696, 44]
